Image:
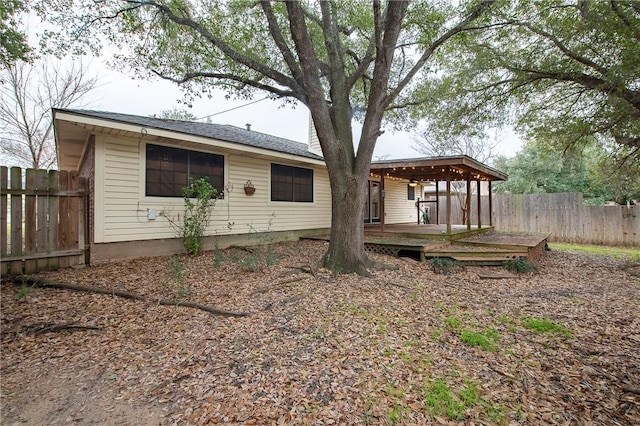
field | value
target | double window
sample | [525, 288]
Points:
[290, 183]
[168, 170]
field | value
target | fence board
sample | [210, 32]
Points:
[16, 216]
[4, 242]
[30, 227]
[53, 207]
[42, 182]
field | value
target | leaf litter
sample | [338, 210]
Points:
[319, 348]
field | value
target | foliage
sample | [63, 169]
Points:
[544, 167]
[443, 265]
[342, 60]
[176, 114]
[176, 267]
[566, 72]
[199, 199]
[259, 256]
[23, 292]
[28, 94]
[520, 265]
[13, 43]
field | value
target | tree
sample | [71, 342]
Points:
[13, 43]
[435, 142]
[176, 114]
[543, 167]
[28, 94]
[561, 71]
[340, 59]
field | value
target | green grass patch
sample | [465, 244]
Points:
[486, 340]
[441, 400]
[545, 325]
[615, 252]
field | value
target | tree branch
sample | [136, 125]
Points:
[475, 13]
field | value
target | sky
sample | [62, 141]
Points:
[118, 92]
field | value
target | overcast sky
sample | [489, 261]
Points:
[120, 93]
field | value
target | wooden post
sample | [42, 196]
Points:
[490, 207]
[63, 229]
[382, 201]
[448, 176]
[468, 201]
[437, 203]
[479, 205]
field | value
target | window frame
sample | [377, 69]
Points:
[288, 195]
[411, 192]
[189, 153]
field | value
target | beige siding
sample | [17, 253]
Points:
[122, 213]
[397, 208]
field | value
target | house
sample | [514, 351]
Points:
[136, 166]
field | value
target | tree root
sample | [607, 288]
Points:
[127, 295]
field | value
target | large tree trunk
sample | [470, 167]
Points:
[346, 252]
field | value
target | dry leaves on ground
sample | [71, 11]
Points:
[561, 346]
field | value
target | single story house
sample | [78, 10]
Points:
[135, 168]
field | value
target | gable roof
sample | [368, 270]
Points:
[223, 132]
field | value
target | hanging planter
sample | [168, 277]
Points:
[249, 189]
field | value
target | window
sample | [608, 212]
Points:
[411, 192]
[169, 169]
[291, 184]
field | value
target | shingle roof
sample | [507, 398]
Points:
[222, 132]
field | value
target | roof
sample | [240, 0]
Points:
[222, 132]
[459, 167]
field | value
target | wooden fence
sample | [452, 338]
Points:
[563, 215]
[42, 220]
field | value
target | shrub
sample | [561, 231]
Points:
[520, 265]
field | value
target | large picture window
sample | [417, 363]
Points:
[290, 183]
[168, 170]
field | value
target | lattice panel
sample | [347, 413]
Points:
[375, 248]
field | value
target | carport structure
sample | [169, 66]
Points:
[441, 169]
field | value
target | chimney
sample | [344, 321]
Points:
[248, 125]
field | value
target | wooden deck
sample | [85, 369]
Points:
[475, 246]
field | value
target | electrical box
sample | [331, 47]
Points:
[151, 214]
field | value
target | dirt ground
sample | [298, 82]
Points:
[408, 346]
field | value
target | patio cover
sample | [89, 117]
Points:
[440, 169]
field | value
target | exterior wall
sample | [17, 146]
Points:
[121, 204]
[314, 142]
[397, 208]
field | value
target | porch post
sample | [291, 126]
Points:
[468, 201]
[490, 206]
[437, 204]
[448, 176]
[382, 200]
[479, 205]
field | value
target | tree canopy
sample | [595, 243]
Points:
[543, 167]
[562, 71]
[13, 43]
[341, 59]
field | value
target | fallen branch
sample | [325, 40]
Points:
[128, 295]
[51, 328]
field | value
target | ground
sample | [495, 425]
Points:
[408, 346]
